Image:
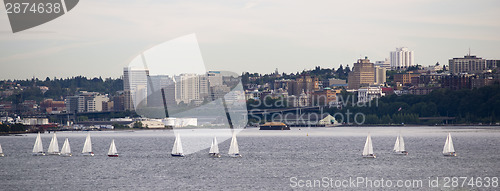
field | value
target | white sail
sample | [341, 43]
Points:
[396, 145]
[53, 146]
[87, 147]
[112, 148]
[399, 146]
[38, 147]
[177, 149]
[401, 143]
[66, 149]
[1, 151]
[233, 148]
[448, 146]
[368, 150]
[214, 149]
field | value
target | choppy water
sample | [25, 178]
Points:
[270, 159]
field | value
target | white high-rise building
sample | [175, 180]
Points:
[135, 86]
[402, 58]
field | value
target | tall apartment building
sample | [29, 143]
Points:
[204, 86]
[467, 64]
[75, 104]
[214, 78]
[135, 86]
[85, 102]
[384, 64]
[380, 75]
[491, 64]
[402, 58]
[119, 102]
[94, 103]
[362, 74]
[187, 88]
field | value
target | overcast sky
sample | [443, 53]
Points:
[99, 38]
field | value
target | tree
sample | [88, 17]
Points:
[347, 70]
[138, 125]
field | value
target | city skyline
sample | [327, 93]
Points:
[249, 36]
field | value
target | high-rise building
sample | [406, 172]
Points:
[187, 88]
[94, 103]
[303, 84]
[135, 86]
[362, 74]
[74, 105]
[384, 64]
[204, 86]
[491, 64]
[85, 102]
[380, 75]
[160, 82]
[214, 78]
[119, 102]
[467, 64]
[402, 58]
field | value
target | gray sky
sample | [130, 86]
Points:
[99, 38]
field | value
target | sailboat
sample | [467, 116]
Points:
[87, 147]
[448, 149]
[233, 148]
[214, 149]
[177, 149]
[1, 151]
[399, 146]
[368, 150]
[112, 150]
[38, 147]
[66, 149]
[53, 146]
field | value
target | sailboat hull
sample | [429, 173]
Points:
[55, 153]
[115, 155]
[401, 153]
[214, 155]
[178, 155]
[1, 155]
[66, 155]
[452, 154]
[369, 156]
[39, 154]
[235, 155]
[90, 154]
